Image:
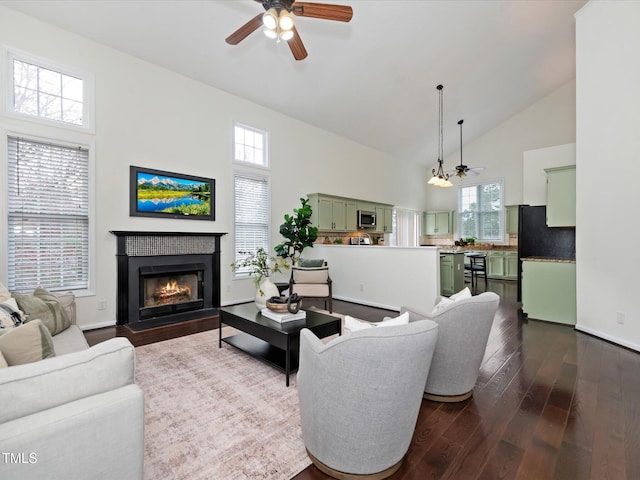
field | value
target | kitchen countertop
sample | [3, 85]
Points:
[549, 259]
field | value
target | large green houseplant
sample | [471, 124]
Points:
[298, 233]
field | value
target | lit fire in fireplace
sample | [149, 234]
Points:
[172, 292]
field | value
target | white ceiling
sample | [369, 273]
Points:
[372, 80]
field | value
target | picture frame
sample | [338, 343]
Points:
[160, 194]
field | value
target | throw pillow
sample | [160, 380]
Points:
[45, 306]
[352, 324]
[310, 262]
[456, 297]
[27, 343]
[10, 315]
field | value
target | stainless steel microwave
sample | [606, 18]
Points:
[366, 219]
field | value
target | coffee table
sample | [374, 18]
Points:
[277, 344]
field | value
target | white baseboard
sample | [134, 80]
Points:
[359, 301]
[95, 326]
[610, 338]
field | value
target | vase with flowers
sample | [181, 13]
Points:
[260, 266]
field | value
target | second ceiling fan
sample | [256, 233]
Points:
[279, 24]
[462, 170]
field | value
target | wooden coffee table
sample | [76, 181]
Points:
[277, 344]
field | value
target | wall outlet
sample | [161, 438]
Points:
[102, 304]
[362, 287]
[620, 318]
[228, 288]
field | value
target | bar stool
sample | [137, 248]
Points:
[477, 264]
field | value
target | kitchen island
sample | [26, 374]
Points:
[549, 289]
[382, 276]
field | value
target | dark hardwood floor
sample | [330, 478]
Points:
[550, 403]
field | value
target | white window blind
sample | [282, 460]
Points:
[407, 228]
[48, 216]
[252, 206]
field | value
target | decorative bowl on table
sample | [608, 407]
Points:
[277, 306]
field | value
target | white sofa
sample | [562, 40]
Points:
[78, 415]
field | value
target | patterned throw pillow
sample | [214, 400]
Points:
[27, 343]
[44, 306]
[10, 315]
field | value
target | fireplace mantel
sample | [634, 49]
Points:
[140, 249]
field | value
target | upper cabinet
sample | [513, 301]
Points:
[512, 219]
[438, 223]
[339, 214]
[384, 219]
[561, 196]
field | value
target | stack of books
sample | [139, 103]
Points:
[283, 317]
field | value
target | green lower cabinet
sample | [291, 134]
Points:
[495, 264]
[549, 291]
[451, 273]
[511, 265]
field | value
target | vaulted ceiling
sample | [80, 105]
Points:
[372, 80]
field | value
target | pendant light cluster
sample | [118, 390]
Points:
[440, 179]
[278, 24]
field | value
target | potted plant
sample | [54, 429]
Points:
[260, 266]
[298, 232]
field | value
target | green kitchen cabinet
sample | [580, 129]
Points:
[438, 223]
[511, 265]
[495, 264]
[512, 219]
[333, 214]
[561, 196]
[451, 273]
[384, 219]
[549, 291]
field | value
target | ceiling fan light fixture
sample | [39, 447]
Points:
[285, 21]
[270, 19]
[286, 35]
[270, 33]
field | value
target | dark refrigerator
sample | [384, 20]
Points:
[535, 239]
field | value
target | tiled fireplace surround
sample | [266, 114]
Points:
[144, 257]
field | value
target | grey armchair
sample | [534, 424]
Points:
[462, 340]
[360, 395]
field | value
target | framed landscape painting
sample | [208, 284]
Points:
[154, 193]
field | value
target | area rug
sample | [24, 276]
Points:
[216, 413]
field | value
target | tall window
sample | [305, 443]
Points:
[406, 228]
[480, 211]
[250, 146]
[48, 216]
[50, 92]
[252, 214]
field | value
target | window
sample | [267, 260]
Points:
[250, 146]
[406, 228]
[480, 211]
[48, 216]
[252, 213]
[48, 92]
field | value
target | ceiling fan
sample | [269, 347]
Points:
[462, 170]
[278, 22]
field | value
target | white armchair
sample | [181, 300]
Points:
[464, 329]
[360, 395]
[312, 282]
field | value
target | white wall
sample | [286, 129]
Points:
[608, 169]
[151, 117]
[534, 178]
[548, 122]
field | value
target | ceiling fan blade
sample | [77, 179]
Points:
[340, 13]
[245, 30]
[296, 46]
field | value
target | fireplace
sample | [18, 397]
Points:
[166, 278]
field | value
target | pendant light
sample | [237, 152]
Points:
[440, 179]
